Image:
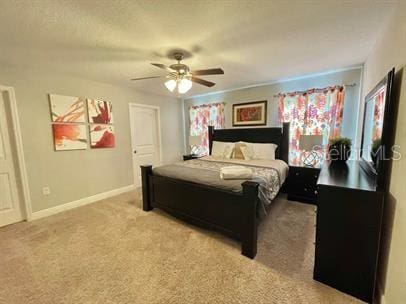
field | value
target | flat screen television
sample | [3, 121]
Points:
[376, 138]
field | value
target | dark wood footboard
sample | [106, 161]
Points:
[232, 213]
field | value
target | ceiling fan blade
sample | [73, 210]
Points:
[164, 67]
[141, 78]
[203, 82]
[216, 71]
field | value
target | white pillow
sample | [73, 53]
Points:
[222, 149]
[259, 151]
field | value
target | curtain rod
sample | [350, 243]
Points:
[207, 104]
[317, 90]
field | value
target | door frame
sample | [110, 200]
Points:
[158, 112]
[25, 203]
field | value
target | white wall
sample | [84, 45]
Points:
[390, 51]
[267, 92]
[72, 175]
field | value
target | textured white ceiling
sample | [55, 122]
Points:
[253, 41]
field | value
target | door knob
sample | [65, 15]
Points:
[135, 151]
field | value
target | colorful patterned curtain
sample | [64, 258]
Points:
[312, 113]
[203, 116]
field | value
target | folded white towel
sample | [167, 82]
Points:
[235, 172]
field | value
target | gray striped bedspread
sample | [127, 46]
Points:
[269, 174]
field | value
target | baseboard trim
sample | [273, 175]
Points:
[81, 202]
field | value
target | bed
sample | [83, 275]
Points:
[232, 207]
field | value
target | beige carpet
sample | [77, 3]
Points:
[113, 252]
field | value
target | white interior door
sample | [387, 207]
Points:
[10, 209]
[145, 138]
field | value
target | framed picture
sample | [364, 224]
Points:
[67, 109]
[102, 136]
[250, 113]
[100, 111]
[69, 136]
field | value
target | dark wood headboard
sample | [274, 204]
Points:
[275, 135]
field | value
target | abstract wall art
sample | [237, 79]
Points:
[102, 136]
[69, 123]
[249, 113]
[99, 111]
[69, 136]
[67, 109]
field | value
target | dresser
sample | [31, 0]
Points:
[301, 184]
[348, 225]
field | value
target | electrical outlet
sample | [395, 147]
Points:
[46, 190]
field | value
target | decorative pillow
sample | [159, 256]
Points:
[228, 151]
[237, 150]
[222, 149]
[264, 151]
[248, 152]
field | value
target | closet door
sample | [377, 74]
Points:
[10, 209]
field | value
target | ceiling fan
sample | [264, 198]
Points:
[181, 76]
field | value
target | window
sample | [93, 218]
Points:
[203, 116]
[314, 112]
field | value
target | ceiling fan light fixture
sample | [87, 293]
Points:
[181, 77]
[184, 85]
[170, 84]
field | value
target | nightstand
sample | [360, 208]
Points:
[190, 156]
[302, 184]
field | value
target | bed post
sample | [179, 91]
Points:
[285, 142]
[250, 227]
[211, 130]
[146, 172]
